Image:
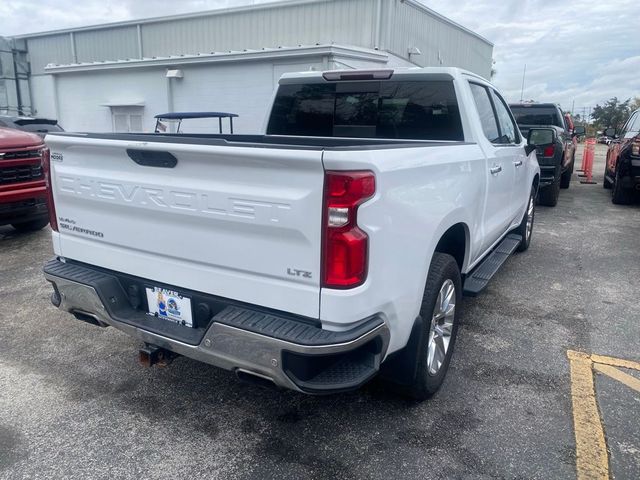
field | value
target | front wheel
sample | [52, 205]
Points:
[525, 229]
[440, 311]
[619, 194]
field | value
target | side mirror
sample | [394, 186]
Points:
[539, 136]
[579, 130]
[610, 132]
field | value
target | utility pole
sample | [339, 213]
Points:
[573, 104]
[524, 72]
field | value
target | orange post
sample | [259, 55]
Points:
[588, 156]
[584, 159]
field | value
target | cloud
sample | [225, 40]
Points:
[576, 52]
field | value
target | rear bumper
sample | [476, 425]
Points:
[290, 352]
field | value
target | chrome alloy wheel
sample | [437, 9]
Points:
[530, 210]
[441, 326]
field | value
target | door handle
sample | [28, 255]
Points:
[518, 163]
[495, 169]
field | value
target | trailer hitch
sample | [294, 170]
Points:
[151, 355]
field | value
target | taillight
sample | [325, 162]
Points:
[46, 164]
[345, 246]
[635, 147]
[549, 150]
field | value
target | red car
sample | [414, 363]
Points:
[622, 170]
[23, 189]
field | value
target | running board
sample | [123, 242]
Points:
[479, 278]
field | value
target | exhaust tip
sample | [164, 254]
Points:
[88, 318]
[255, 378]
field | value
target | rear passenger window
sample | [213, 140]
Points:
[485, 111]
[507, 125]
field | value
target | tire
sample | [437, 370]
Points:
[619, 194]
[606, 183]
[525, 230]
[30, 226]
[548, 195]
[444, 275]
[565, 178]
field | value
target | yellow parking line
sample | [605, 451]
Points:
[592, 458]
[615, 362]
[613, 372]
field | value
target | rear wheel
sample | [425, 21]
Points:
[548, 195]
[526, 225]
[440, 311]
[31, 226]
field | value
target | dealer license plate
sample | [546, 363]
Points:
[169, 305]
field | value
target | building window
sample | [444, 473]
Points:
[127, 119]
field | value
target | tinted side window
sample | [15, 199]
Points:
[485, 111]
[634, 124]
[420, 110]
[507, 125]
[41, 127]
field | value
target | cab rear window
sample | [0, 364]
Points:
[537, 116]
[418, 110]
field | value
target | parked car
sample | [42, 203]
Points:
[39, 126]
[337, 245]
[622, 168]
[603, 139]
[556, 160]
[23, 192]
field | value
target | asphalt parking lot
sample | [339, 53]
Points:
[74, 402]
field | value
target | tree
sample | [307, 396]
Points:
[612, 114]
[635, 105]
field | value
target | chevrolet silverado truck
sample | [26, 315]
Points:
[23, 197]
[334, 246]
[558, 158]
[622, 168]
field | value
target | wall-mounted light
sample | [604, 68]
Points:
[174, 74]
[413, 51]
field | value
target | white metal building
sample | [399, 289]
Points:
[117, 76]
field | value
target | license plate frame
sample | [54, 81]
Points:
[169, 305]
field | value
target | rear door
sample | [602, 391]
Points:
[510, 146]
[236, 221]
[500, 171]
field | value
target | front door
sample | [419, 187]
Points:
[500, 169]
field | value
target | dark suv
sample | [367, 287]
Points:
[622, 170]
[556, 159]
[39, 126]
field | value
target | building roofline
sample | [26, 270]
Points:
[166, 18]
[224, 11]
[420, 6]
[339, 51]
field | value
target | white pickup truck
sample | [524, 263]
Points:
[335, 246]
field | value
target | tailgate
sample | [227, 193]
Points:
[239, 222]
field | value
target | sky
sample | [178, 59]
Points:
[577, 53]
